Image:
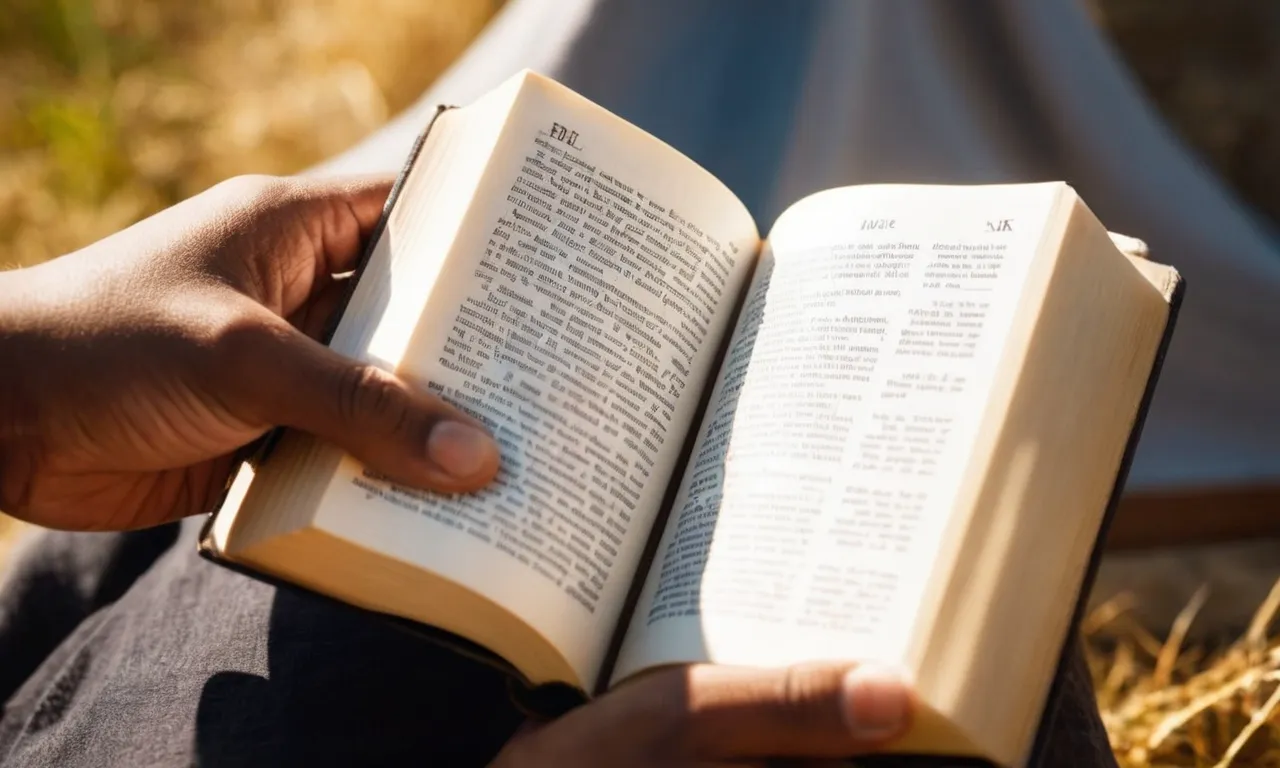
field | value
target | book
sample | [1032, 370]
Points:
[889, 431]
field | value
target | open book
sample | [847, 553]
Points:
[890, 431]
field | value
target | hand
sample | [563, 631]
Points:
[707, 715]
[132, 370]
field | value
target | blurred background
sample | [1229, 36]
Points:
[113, 109]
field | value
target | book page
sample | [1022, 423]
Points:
[578, 316]
[820, 489]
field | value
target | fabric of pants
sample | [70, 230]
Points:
[131, 650]
[128, 649]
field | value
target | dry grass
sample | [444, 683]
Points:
[112, 109]
[1166, 705]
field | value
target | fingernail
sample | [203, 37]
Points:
[877, 704]
[461, 450]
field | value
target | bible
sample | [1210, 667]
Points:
[889, 431]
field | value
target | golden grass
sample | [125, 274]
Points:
[113, 109]
[1167, 705]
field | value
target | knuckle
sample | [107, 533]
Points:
[366, 392]
[337, 218]
[235, 337]
[228, 345]
[799, 698]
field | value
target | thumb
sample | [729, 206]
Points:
[807, 710]
[410, 436]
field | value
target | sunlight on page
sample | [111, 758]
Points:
[995, 550]
[815, 508]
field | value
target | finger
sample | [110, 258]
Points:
[810, 710]
[410, 436]
[342, 213]
[315, 316]
[289, 236]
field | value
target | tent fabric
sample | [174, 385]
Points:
[783, 99]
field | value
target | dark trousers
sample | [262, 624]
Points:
[129, 650]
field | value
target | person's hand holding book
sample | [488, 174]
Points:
[706, 715]
[136, 367]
